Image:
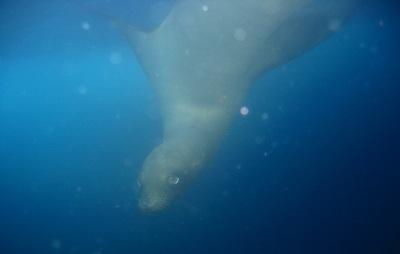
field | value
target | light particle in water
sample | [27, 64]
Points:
[128, 162]
[334, 25]
[115, 58]
[225, 193]
[85, 25]
[265, 116]
[82, 90]
[244, 111]
[259, 140]
[56, 244]
[204, 8]
[240, 34]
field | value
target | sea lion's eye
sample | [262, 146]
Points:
[173, 180]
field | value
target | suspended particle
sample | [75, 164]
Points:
[85, 25]
[259, 140]
[240, 34]
[265, 116]
[334, 25]
[244, 111]
[82, 90]
[56, 244]
[115, 58]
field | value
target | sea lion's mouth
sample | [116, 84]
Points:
[152, 204]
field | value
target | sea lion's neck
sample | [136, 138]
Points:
[198, 127]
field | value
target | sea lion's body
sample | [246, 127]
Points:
[201, 62]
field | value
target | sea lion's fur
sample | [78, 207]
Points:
[201, 62]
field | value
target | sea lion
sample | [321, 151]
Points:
[202, 60]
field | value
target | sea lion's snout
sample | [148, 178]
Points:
[151, 205]
[160, 180]
[167, 172]
[157, 195]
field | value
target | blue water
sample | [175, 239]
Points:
[313, 168]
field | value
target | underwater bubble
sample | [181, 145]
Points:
[244, 111]
[274, 144]
[115, 58]
[334, 25]
[82, 90]
[265, 116]
[173, 180]
[225, 193]
[259, 139]
[240, 34]
[128, 162]
[56, 244]
[85, 25]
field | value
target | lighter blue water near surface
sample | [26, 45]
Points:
[313, 168]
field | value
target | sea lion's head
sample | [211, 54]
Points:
[165, 174]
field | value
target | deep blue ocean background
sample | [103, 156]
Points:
[313, 168]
